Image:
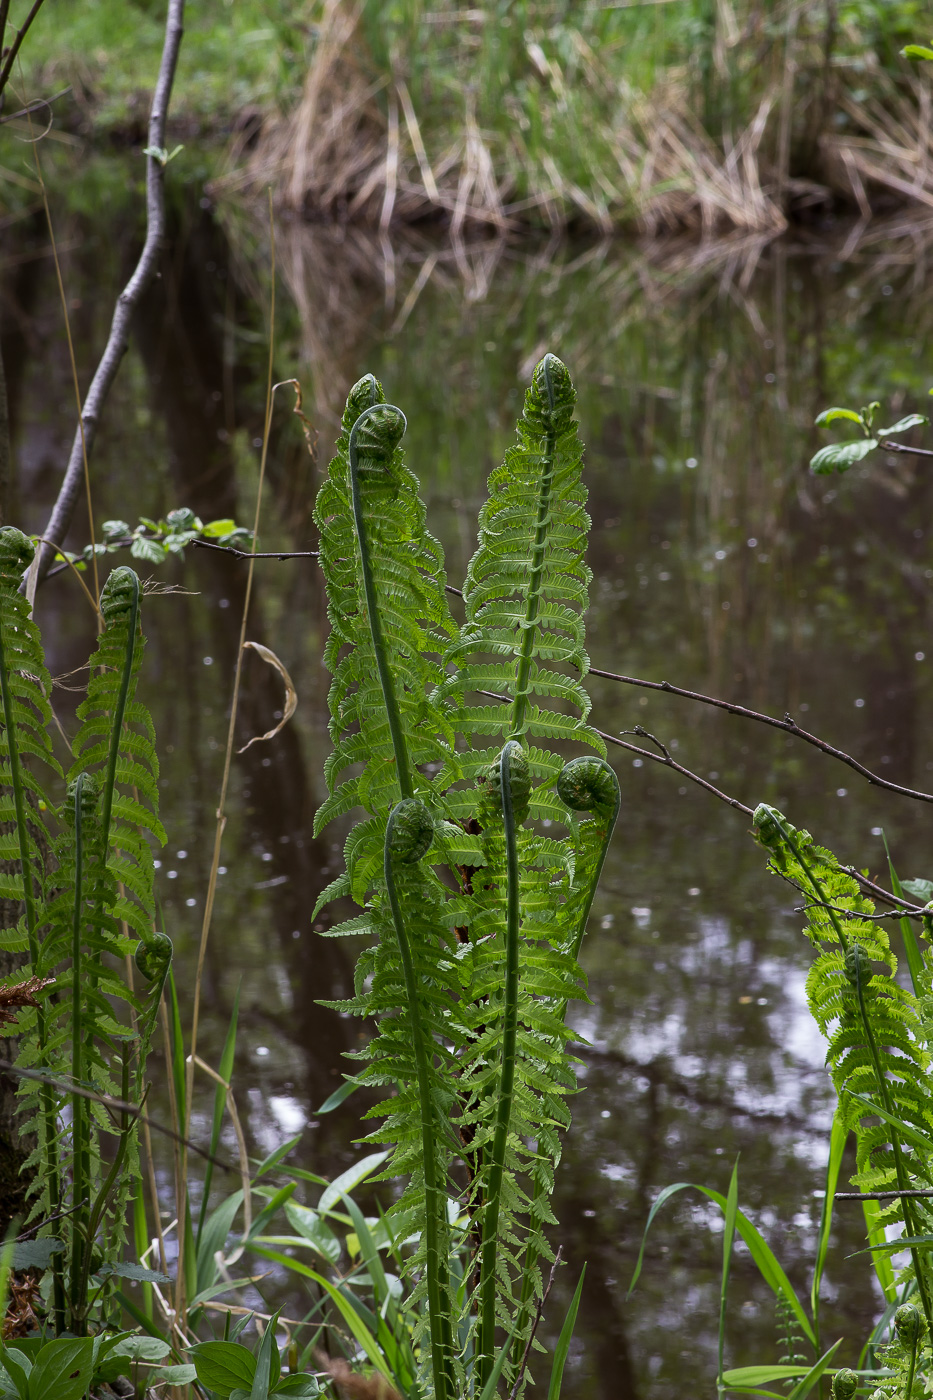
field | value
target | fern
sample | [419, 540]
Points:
[469, 985]
[876, 1038]
[89, 891]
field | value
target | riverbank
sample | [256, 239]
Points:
[662, 116]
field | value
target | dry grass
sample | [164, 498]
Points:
[357, 150]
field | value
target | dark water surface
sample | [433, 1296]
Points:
[720, 564]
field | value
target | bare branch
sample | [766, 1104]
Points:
[9, 58]
[787, 724]
[118, 341]
[888, 446]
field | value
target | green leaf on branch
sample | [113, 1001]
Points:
[150, 550]
[36, 1254]
[831, 415]
[840, 456]
[215, 528]
[917, 51]
[913, 420]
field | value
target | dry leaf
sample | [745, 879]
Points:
[291, 694]
[354, 1386]
[18, 994]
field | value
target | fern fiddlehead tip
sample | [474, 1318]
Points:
[588, 784]
[519, 781]
[83, 788]
[16, 554]
[845, 1384]
[410, 831]
[376, 433]
[154, 956]
[366, 393]
[857, 968]
[552, 396]
[908, 1324]
[119, 594]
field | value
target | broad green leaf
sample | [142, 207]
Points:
[917, 51]
[17, 1366]
[223, 1366]
[174, 1375]
[314, 1230]
[563, 1341]
[183, 519]
[840, 456]
[36, 1254]
[304, 1387]
[137, 1272]
[913, 420]
[831, 415]
[267, 1362]
[150, 550]
[63, 1369]
[921, 889]
[347, 1180]
[215, 528]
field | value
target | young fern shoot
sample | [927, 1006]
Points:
[473, 865]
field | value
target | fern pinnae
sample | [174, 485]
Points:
[533, 599]
[781, 839]
[389, 424]
[590, 784]
[19, 631]
[409, 833]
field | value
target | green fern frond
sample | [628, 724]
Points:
[876, 1040]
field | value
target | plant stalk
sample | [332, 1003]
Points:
[79, 1235]
[532, 603]
[435, 1195]
[489, 1245]
[386, 679]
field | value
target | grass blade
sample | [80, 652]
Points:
[728, 1240]
[563, 1341]
[911, 946]
[838, 1138]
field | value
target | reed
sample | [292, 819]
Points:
[711, 118]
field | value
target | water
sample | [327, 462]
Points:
[719, 565]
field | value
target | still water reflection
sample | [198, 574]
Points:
[719, 564]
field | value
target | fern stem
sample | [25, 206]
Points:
[79, 1239]
[386, 679]
[435, 1195]
[900, 1169]
[46, 1092]
[538, 554]
[489, 1245]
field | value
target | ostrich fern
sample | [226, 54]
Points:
[84, 878]
[478, 851]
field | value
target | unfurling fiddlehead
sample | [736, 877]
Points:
[589, 784]
[373, 439]
[908, 1324]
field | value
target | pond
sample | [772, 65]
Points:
[720, 564]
